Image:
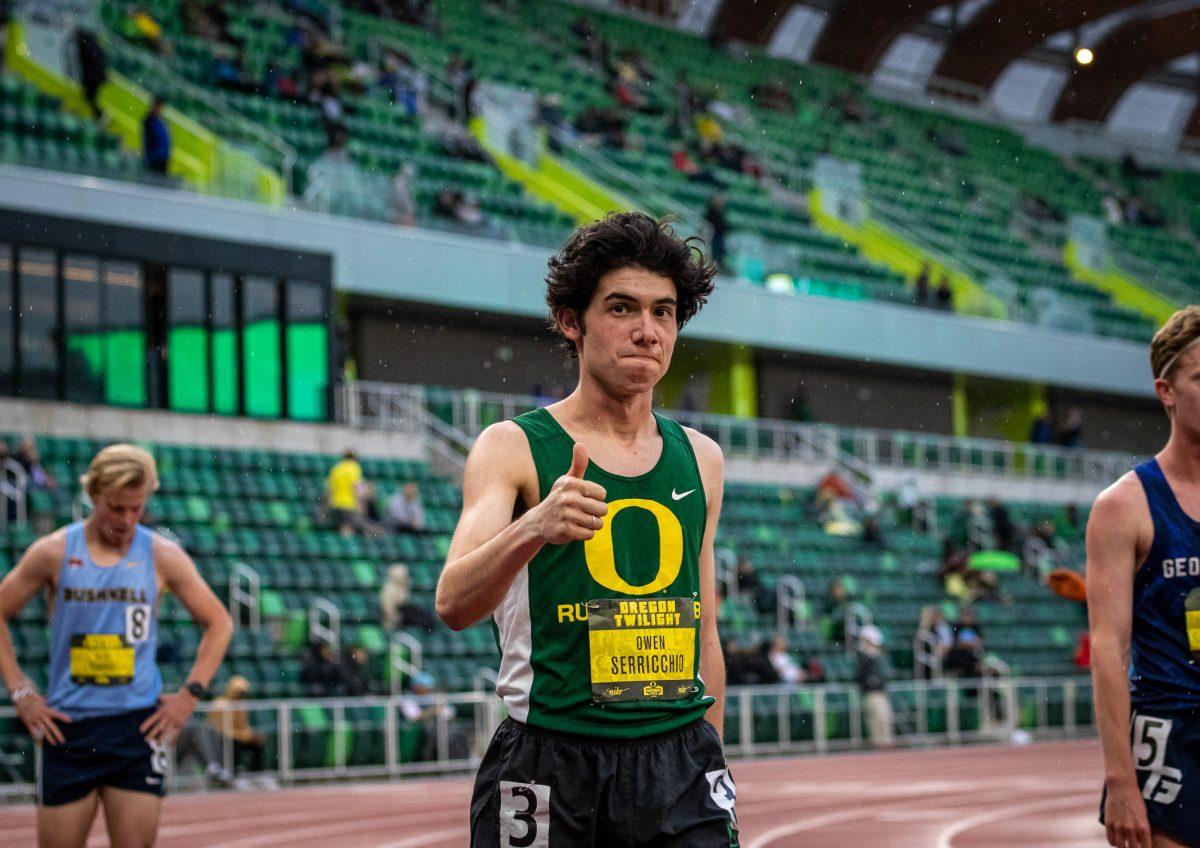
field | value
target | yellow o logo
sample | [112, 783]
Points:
[602, 563]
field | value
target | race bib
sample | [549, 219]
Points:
[101, 659]
[642, 650]
[1191, 607]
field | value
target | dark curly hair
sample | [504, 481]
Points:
[625, 240]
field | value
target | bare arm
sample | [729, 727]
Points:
[180, 577]
[1112, 558]
[712, 662]
[490, 548]
[36, 571]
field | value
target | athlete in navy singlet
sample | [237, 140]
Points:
[104, 724]
[1143, 588]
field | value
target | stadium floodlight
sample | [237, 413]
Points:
[1084, 55]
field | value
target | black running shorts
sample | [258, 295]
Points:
[108, 751]
[538, 789]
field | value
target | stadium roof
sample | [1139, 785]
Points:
[1132, 40]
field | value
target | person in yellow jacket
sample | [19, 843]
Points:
[343, 489]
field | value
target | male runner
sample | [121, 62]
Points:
[104, 724]
[1143, 591]
[587, 531]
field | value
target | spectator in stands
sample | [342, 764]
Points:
[333, 113]
[683, 163]
[872, 675]
[469, 214]
[232, 721]
[229, 72]
[1071, 435]
[933, 628]
[851, 106]
[714, 214]
[965, 659]
[281, 82]
[461, 74]
[922, 294]
[747, 664]
[156, 139]
[321, 673]
[374, 521]
[837, 600]
[785, 665]
[93, 68]
[872, 532]
[343, 489]
[968, 619]
[406, 510]
[445, 205]
[356, 673]
[1003, 530]
[30, 459]
[416, 705]
[199, 742]
[139, 27]
[402, 207]
[749, 586]
[944, 296]
[396, 607]
[1042, 430]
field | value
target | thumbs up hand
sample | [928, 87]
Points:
[574, 509]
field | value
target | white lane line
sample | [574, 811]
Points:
[946, 837]
[867, 812]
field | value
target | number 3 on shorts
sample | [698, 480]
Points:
[524, 815]
[137, 623]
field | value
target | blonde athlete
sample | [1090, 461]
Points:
[104, 724]
[1143, 590]
[587, 534]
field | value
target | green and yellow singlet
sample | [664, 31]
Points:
[601, 638]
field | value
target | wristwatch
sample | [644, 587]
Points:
[195, 688]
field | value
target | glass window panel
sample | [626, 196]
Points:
[261, 347]
[125, 338]
[85, 339]
[224, 345]
[187, 341]
[37, 287]
[307, 351]
[8, 323]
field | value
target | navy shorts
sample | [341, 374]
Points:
[106, 751]
[1166, 754]
[539, 789]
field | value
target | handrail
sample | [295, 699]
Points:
[755, 438]
[1151, 273]
[398, 664]
[791, 604]
[318, 630]
[925, 655]
[12, 491]
[857, 616]
[288, 156]
[628, 183]
[248, 598]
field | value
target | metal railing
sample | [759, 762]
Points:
[325, 622]
[467, 412]
[406, 735]
[13, 484]
[206, 107]
[1152, 274]
[245, 592]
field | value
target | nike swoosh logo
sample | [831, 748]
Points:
[678, 496]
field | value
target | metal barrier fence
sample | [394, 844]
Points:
[375, 737]
[384, 405]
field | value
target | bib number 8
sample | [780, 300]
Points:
[137, 623]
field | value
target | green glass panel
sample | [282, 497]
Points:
[125, 377]
[260, 342]
[225, 372]
[187, 369]
[308, 373]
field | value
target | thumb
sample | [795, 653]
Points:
[579, 461]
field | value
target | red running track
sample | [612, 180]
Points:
[1040, 796]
